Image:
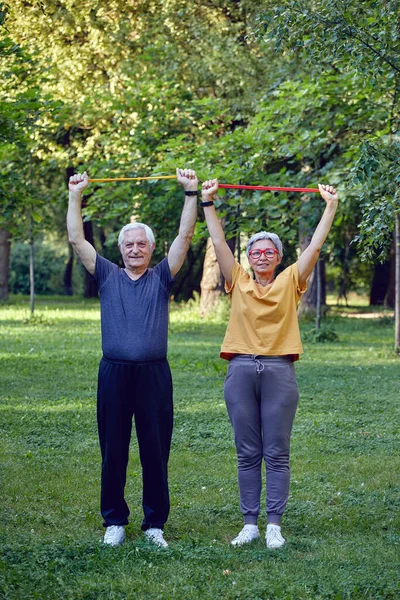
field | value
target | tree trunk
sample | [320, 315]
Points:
[32, 269]
[397, 303]
[390, 298]
[379, 287]
[344, 259]
[67, 279]
[89, 286]
[4, 263]
[212, 284]
[309, 300]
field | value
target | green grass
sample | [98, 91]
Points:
[342, 522]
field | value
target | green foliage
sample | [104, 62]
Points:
[325, 333]
[358, 36]
[378, 170]
[342, 521]
[358, 42]
[49, 260]
[274, 93]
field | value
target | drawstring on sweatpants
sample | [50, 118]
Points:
[259, 364]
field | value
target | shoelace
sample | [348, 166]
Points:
[275, 534]
[243, 535]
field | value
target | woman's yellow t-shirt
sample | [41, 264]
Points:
[263, 320]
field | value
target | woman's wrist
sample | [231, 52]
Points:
[207, 200]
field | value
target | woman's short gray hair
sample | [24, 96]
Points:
[149, 233]
[265, 235]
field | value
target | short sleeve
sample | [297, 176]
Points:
[103, 270]
[236, 270]
[164, 273]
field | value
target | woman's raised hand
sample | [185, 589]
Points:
[328, 193]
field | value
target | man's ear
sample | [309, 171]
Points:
[152, 248]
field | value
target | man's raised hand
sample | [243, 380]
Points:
[187, 178]
[78, 182]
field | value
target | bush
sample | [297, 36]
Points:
[325, 333]
[49, 261]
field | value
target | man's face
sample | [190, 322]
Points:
[135, 249]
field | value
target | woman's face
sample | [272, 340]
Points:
[264, 258]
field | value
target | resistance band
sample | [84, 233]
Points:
[265, 188]
[133, 178]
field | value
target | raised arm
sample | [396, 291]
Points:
[308, 259]
[76, 237]
[179, 247]
[223, 253]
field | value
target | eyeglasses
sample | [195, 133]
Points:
[269, 253]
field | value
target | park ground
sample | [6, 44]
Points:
[342, 522]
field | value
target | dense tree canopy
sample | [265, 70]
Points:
[283, 93]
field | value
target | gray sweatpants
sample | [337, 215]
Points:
[261, 396]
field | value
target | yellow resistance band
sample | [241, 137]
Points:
[134, 178]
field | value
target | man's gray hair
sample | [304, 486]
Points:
[265, 235]
[149, 233]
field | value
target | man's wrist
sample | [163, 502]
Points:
[75, 194]
[191, 193]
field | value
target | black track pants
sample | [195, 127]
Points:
[142, 390]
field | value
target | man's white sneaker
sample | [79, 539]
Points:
[247, 535]
[156, 536]
[114, 535]
[273, 536]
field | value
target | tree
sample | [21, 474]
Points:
[22, 106]
[361, 40]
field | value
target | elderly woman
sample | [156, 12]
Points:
[262, 341]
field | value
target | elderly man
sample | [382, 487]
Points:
[134, 376]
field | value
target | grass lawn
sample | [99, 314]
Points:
[342, 523]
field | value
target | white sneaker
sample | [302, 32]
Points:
[248, 534]
[273, 536]
[114, 535]
[156, 536]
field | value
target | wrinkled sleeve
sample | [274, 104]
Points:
[299, 289]
[236, 270]
[103, 270]
[164, 273]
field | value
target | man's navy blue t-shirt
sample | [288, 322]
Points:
[134, 314]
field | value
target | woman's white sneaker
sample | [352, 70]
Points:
[156, 536]
[247, 535]
[114, 535]
[273, 536]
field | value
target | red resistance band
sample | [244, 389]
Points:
[268, 188]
